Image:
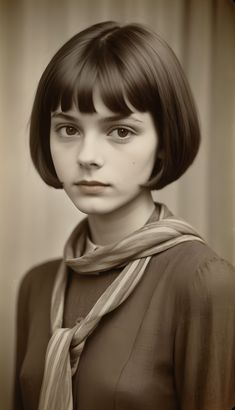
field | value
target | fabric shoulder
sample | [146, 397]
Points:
[182, 260]
[38, 281]
[193, 275]
[37, 273]
[203, 280]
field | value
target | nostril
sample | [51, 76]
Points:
[87, 164]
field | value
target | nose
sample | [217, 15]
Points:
[89, 152]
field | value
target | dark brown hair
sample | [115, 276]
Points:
[125, 62]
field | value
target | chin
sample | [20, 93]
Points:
[99, 205]
[94, 206]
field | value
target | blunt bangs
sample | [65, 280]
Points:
[130, 66]
[115, 70]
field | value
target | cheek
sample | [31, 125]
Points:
[56, 159]
[54, 153]
[136, 170]
[60, 163]
[144, 162]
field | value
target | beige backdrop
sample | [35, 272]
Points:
[36, 219]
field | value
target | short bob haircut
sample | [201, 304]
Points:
[128, 63]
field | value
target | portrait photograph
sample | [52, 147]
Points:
[117, 220]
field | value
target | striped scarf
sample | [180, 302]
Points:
[133, 253]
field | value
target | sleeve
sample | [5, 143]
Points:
[21, 339]
[204, 354]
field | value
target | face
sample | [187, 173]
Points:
[102, 158]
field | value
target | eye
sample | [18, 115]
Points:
[70, 130]
[67, 131]
[121, 132]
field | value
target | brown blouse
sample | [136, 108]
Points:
[170, 345]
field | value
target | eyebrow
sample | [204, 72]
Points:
[116, 117]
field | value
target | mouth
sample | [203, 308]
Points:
[91, 188]
[90, 183]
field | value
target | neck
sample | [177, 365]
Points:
[118, 224]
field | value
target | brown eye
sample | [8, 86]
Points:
[66, 131]
[122, 132]
[70, 130]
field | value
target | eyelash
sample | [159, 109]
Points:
[131, 132]
[59, 130]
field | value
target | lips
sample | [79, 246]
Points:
[91, 183]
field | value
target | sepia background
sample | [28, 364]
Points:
[35, 220]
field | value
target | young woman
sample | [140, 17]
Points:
[140, 312]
